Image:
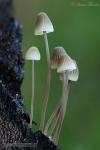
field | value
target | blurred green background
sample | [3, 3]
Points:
[77, 29]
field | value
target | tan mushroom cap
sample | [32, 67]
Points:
[33, 54]
[58, 54]
[43, 24]
[61, 60]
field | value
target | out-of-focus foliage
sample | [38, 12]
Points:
[77, 28]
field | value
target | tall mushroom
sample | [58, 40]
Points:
[44, 26]
[58, 54]
[64, 64]
[32, 54]
[69, 75]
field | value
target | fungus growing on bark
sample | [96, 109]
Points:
[32, 54]
[66, 67]
[44, 26]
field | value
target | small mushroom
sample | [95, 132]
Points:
[68, 75]
[59, 60]
[44, 26]
[72, 74]
[32, 54]
[64, 64]
[58, 54]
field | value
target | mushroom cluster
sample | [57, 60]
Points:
[67, 70]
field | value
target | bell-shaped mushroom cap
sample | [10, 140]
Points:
[74, 74]
[58, 54]
[33, 54]
[61, 60]
[43, 24]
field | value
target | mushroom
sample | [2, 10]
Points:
[44, 26]
[32, 54]
[59, 60]
[58, 53]
[67, 77]
[64, 64]
[72, 74]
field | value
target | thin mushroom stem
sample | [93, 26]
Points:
[65, 92]
[47, 49]
[52, 119]
[55, 136]
[58, 130]
[32, 100]
[47, 90]
[55, 122]
[58, 125]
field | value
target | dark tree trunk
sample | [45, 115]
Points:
[13, 119]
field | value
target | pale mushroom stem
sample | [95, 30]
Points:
[47, 89]
[52, 118]
[32, 100]
[59, 127]
[64, 101]
[65, 92]
[62, 105]
[55, 122]
[55, 137]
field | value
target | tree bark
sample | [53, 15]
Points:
[15, 133]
